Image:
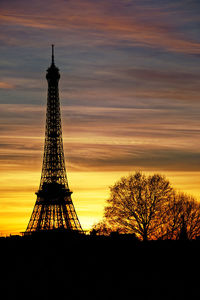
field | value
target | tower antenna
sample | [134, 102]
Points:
[52, 55]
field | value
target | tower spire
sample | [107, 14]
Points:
[52, 54]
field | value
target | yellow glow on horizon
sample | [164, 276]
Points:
[90, 191]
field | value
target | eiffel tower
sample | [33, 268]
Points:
[54, 209]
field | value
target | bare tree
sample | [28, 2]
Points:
[138, 204]
[189, 217]
[182, 218]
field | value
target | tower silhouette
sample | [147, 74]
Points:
[54, 208]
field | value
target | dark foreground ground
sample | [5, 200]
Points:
[60, 266]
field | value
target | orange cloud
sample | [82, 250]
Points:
[6, 85]
[101, 138]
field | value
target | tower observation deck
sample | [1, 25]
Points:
[54, 208]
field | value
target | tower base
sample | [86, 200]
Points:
[56, 213]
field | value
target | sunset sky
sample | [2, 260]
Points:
[129, 91]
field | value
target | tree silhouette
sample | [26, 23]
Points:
[182, 218]
[150, 208]
[101, 228]
[189, 219]
[138, 204]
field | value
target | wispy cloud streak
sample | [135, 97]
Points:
[134, 24]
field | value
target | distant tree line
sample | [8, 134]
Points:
[149, 208]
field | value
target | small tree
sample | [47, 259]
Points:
[138, 204]
[182, 220]
[101, 228]
[189, 216]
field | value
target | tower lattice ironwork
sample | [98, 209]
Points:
[54, 208]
